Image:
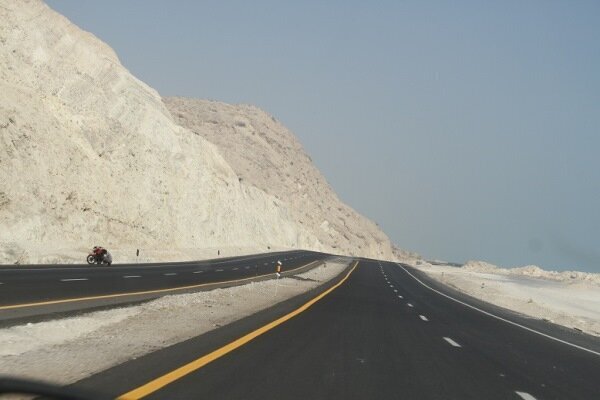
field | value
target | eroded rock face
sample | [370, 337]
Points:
[265, 154]
[90, 155]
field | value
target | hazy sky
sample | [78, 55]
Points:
[467, 130]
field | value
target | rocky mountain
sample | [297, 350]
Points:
[265, 154]
[91, 155]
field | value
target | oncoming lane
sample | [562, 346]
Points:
[37, 290]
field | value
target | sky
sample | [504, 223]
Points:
[467, 130]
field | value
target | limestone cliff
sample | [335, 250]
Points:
[265, 154]
[90, 155]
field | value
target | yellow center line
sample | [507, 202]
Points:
[195, 365]
[154, 291]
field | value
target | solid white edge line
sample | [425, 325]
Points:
[74, 279]
[424, 318]
[452, 342]
[525, 395]
[500, 318]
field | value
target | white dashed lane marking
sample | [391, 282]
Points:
[235, 269]
[74, 279]
[424, 318]
[452, 342]
[395, 290]
[197, 272]
[525, 396]
[400, 297]
[500, 318]
[410, 305]
[131, 276]
[170, 273]
[220, 270]
[247, 267]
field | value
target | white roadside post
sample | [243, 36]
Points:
[278, 269]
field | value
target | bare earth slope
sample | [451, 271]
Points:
[265, 154]
[90, 155]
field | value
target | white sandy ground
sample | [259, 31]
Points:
[569, 298]
[69, 349]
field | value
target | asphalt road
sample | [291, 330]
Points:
[381, 334]
[34, 291]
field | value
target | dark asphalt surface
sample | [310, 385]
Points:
[380, 335]
[32, 284]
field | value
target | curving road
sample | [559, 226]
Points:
[383, 331]
[30, 292]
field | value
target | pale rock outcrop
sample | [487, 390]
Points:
[90, 155]
[267, 155]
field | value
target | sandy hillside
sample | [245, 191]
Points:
[265, 154]
[90, 155]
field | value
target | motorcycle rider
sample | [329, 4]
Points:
[102, 255]
[107, 257]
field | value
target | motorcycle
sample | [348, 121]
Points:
[99, 258]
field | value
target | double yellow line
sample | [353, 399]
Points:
[186, 369]
[128, 294]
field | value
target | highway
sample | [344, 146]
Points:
[30, 293]
[380, 331]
